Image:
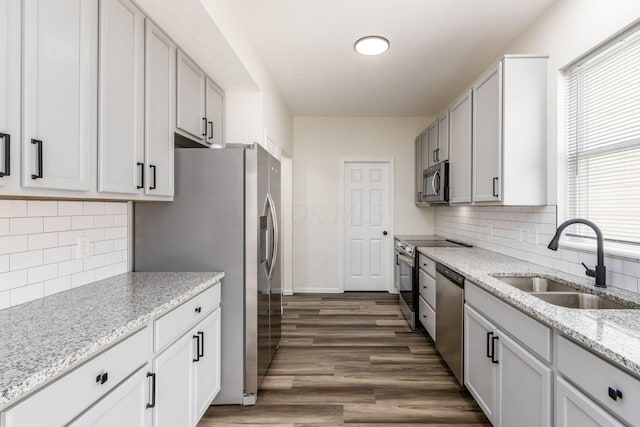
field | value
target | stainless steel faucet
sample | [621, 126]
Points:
[600, 272]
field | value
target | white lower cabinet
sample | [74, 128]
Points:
[126, 405]
[511, 385]
[131, 385]
[523, 386]
[575, 409]
[174, 384]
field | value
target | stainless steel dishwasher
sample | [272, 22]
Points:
[449, 318]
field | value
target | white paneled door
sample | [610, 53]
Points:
[367, 234]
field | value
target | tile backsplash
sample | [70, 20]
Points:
[52, 246]
[524, 232]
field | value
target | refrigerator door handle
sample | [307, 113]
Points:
[276, 236]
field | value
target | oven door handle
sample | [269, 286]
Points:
[406, 260]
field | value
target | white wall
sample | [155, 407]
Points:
[319, 143]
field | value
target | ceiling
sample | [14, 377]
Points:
[437, 48]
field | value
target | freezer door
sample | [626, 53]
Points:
[265, 232]
[276, 275]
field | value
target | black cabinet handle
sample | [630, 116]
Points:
[153, 168]
[397, 260]
[437, 154]
[495, 191]
[204, 122]
[201, 344]
[152, 404]
[102, 378]
[493, 349]
[7, 154]
[141, 165]
[489, 355]
[198, 309]
[433, 156]
[615, 394]
[197, 338]
[210, 130]
[38, 143]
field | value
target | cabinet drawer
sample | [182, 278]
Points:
[64, 399]
[427, 317]
[175, 323]
[427, 264]
[595, 376]
[530, 332]
[427, 285]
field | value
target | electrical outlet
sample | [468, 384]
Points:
[83, 247]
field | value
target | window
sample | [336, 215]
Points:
[603, 139]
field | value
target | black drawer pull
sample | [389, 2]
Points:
[615, 394]
[39, 160]
[489, 355]
[210, 130]
[141, 165]
[102, 378]
[153, 168]
[493, 349]
[152, 404]
[204, 121]
[7, 154]
[495, 191]
[198, 309]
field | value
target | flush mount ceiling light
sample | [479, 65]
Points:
[372, 45]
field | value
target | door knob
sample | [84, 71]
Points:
[384, 233]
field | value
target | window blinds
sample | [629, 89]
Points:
[603, 139]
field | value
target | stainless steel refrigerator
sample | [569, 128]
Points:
[225, 217]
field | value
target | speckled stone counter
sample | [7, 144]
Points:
[45, 338]
[613, 334]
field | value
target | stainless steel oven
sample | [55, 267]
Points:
[436, 183]
[404, 280]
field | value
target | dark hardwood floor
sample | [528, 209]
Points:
[351, 359]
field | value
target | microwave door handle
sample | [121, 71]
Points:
[435, 183]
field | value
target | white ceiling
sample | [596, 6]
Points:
[437, 48]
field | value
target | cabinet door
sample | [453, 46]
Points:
[126, 405]
[487, 137]
[59, 93]
[479, 370]
[426, 154]
[215, 114]
[442, 152]
[160, 112]
[575, 409]
[418, 169]
[191, 114]
[460, 150]
[174, 384]
[9, 93]
[433, 144]
[121, 107]
[524, 386]
[207, 368]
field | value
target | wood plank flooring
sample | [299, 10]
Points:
[351, 359]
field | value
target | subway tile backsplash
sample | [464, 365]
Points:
[39, 253]
[524, 232]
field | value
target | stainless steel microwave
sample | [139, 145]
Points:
[436, 183]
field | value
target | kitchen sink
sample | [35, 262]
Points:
[537, 284]
[578, 300]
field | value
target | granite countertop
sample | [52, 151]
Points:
[613, 334]
[42, 339]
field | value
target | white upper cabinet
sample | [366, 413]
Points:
[510, 132]
[214, 113]
[426, 154]
[59, 106]
[191, 107]
[487, 137]
[9, 94]
[460, 150]
[442, 150]
[433, 144]
[419, 169]
[121, 98]
[160, 54]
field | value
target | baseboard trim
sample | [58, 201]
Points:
[287, 292]
[317, 291]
